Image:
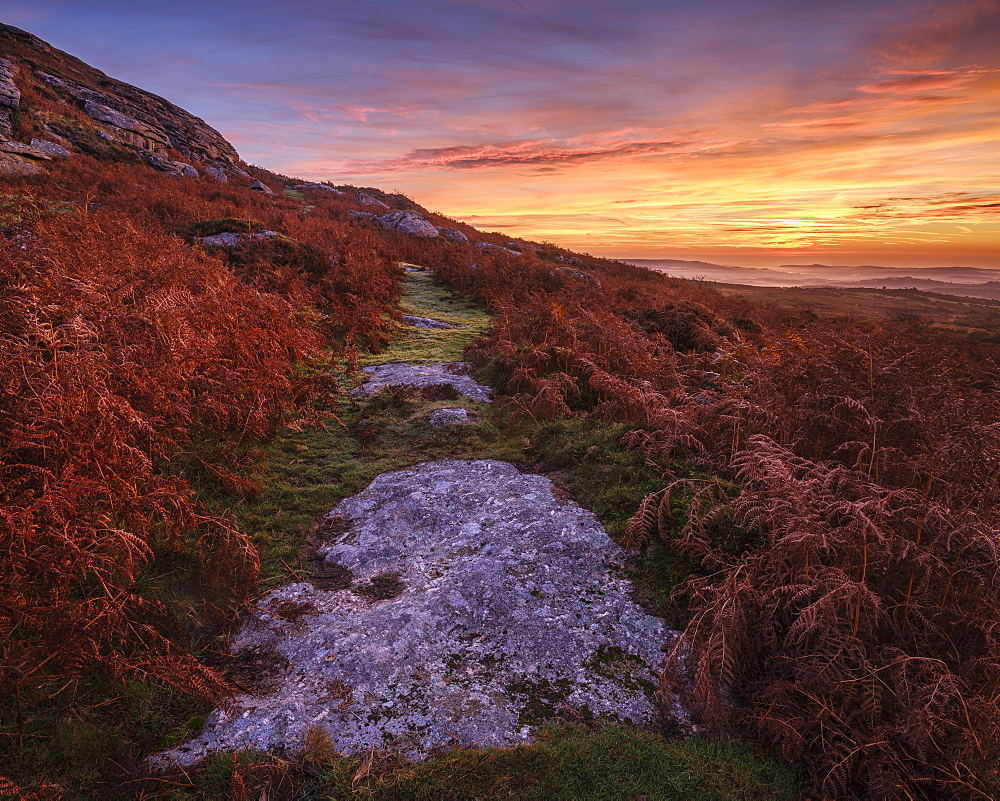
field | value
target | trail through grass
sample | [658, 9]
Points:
[422, 298]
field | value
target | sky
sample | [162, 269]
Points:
[752, 132]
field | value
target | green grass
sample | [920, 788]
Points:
[585, 456]
[613, 763]
[422, 298]
[304, 474]
[565, 762]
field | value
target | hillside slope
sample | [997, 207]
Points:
[814, 502]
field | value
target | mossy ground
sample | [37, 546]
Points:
[423, 298]
[565, 762]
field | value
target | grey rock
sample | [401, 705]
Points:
[102, 113]
[260, 186]
[407, 222]
[364, 199]
[10, 95]
[504, 608]
[216, 174]
[491, 246]
[161, 163]
[6, 123]
[229, 239]
[425, 322]
[318, 187]
[454, 235]
[449, 417]
[238, 171]
[226, 239]
[364, 215]
[454, 374]
[50, 148]
[21, 149]
[187, 170]
[13, 165]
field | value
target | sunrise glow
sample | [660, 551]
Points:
[749, 132]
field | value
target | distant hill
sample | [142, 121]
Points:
[972, 282]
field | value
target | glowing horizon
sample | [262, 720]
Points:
[754, 133]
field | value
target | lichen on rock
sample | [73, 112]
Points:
[454, 374]
[479, 606]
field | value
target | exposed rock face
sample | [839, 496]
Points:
[448, 417]
[216, 174]
[260, 186]
[472, 606]
[50, 148]
[20, 159]
[407, 222]
[491, 246]
[453, 374]
[454, 235]
[364, 199]
[169, 166]
[10, 97]
[318, 187]
[129, 116]
[364, 215]
[12, 165]
[425, 322]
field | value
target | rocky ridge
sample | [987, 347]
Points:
[96, 109]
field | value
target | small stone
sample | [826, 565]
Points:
[425, 322]
[454, 374]
[449, 417]
[364, 199]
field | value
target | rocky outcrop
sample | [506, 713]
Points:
[124, 114]
[52, 149]
[317, 187]
[10, 97]
[407, 222]
[216, 174]
[17, 158]
[454, 235]
[364, 199]
[169, 166]
[228, 239]
[491, 246]
[260, 186]
[452, 604]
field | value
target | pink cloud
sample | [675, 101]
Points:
[531, 152]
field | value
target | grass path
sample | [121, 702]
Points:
[305, 473]
[422, 298]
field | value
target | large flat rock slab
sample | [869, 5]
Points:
[454, 374]
[455, 604]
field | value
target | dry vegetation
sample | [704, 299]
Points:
[132, 364]
[836, 482]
